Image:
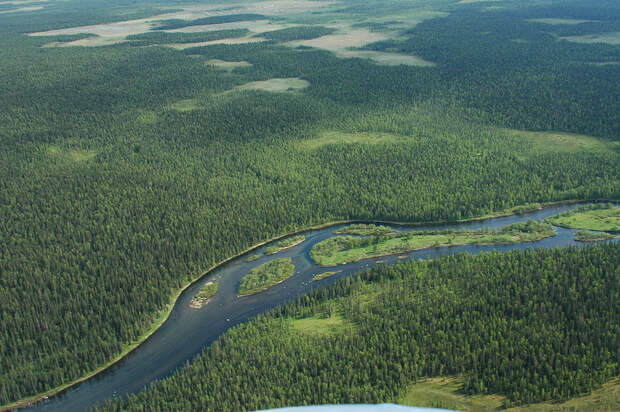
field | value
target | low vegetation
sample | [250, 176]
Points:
[277, 85]
[266, 275]
[160, 37]
[252, 258]
[322, 325]
[346, 249]
[600, 217]
[447, 393]
[589, 236]
[324, 275]
[204, 294]
[366, 230]
[287, 243]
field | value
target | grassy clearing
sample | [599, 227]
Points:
[204, 295]
[336, 137]
[252, 258]
[277, 85]
[22, 9]
[228, 66]
[553, 142]
[608, 38]
[71, 155]
[346, 249]
[600, 217]
[231, 40]
[285, 244]
[321, 326]
[366, 230]
[185, 105]
[446, 393]
[588, 236]
[324, 275]
[348, 38]
[556, 22]
[266, 276]
[603, 64]
[476, 1]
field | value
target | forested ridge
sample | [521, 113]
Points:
[531, 325]
[111, 199]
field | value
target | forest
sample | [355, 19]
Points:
[532, 325]
[112, 197]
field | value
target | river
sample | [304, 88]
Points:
[188, 331]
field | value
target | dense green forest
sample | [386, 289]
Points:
[112, 199]
[533, 325]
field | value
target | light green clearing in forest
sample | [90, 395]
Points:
[277, 85]
[73, 155]
[228, 66]
[608, 38]
[346, 249]
[548, 142]
[321, 325]
[266, 275]
[445, 392]
[185, 105]
[602, 218]
[556, 22]
[336, 137]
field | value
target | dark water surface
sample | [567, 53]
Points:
[188, 330]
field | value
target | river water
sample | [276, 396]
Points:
[188, 331]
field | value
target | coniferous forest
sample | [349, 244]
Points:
[534, 325]
[130, 168]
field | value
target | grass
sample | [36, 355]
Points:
[184, 105]
[265, 276]
[600, 217]
[554, 21]
[277, 85]
[204, 294]
[228, 66]
[252, 258]
[536, 143]
[324, 275]
[336, 137]
[71, 155]
[285, 244]
[608, 38]
[345, 249]
[588, 236]
[446, 393]
[366, 230]
[321, 325]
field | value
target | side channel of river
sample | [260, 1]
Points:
[188, 330]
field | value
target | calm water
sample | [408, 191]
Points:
[188, 331]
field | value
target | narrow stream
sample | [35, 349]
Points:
[188, 330]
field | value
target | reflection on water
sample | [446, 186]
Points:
[188, 330]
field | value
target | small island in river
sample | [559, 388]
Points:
[204, 295]
[589, 236]
[266, 276]
[603, 217]
[285, 244]
[366, 230]
[345, 249]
